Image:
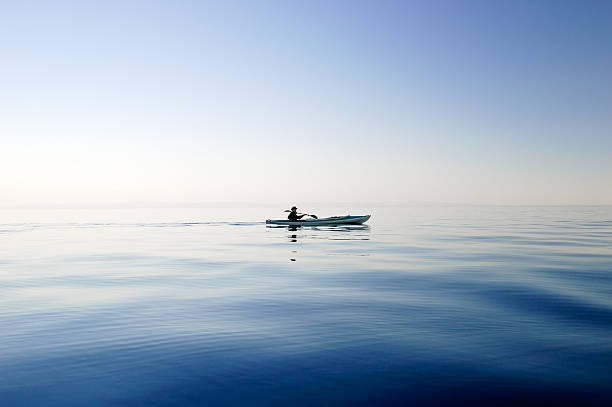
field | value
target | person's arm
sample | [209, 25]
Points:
[301, 216]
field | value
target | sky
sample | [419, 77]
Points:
[475, 102]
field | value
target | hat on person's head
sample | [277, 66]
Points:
[293, 207]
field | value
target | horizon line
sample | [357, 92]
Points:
[247, 204]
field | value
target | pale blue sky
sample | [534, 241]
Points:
[192, 101]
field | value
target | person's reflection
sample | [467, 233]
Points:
[293, 239]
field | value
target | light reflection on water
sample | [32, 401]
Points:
[439, 305]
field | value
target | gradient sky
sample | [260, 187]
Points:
[503, 102]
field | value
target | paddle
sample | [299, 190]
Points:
[312, 216]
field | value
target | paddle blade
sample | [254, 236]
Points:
[314, 216]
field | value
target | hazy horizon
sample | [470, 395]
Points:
[397, 102]
[303, 206]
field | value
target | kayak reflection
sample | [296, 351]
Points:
[298, 235]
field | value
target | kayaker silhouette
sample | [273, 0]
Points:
[294, 216]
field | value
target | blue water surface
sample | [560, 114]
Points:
[426, 305]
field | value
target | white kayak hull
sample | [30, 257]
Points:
[334, 220]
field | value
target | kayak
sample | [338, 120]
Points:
[334, 220]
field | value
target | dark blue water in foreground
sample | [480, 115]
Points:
[190, 307]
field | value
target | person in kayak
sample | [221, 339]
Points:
[293, 216]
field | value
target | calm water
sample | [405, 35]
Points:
[432, 305]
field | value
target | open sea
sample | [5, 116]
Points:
[425, 305]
